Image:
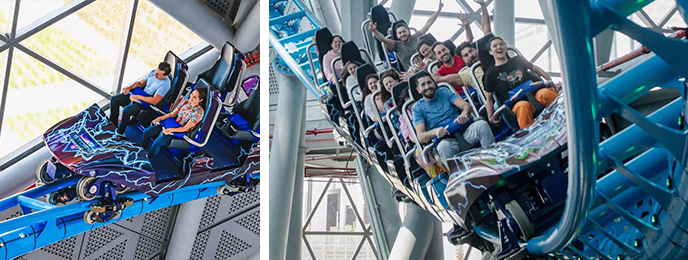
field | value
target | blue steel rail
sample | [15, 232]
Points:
[292, 28]
[42, 224]
[614, 228]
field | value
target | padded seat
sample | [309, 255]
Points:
[244, 122]
[179, 76]
[195, 139]
[225, 74]
[379, 15]
[323, 44]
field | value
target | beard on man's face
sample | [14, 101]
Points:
[429, 93]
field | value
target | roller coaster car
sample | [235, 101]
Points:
[516, 186]
[111, 164]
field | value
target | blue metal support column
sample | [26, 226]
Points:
[505, 20]
[292, 96]
[296, 219]
[185, 229]
[580, 92]
[200, 19]
[417, 237]
[403, 9]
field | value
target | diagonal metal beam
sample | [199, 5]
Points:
[124, 46]
[46, 21]
[317, 204]
[668, 16]
[473, 17]
[370, 241]
[308, 246]
[541, 51]
[8, 64]
[358, 248]
[646, 19]
[522, 20]
[86, 83]
[353, 204]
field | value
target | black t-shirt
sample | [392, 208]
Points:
[500, 79]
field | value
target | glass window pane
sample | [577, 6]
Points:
[154, 34]
[30, 11]
[6, 12]
[86, 42]
[38, 97]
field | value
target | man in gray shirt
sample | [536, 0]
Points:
[406, 44]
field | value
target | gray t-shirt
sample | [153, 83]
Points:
[404, 51]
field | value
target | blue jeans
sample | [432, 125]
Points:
[160, 142]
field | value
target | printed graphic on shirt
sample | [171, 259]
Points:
[515, 77]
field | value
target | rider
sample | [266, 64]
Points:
[507, 74]
[406, 44]
[440, 107]
[330, 56]
[188, 115]
[156, 85]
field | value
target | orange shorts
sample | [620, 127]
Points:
[524, 110]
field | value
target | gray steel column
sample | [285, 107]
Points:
[403, 9]
[603, 46]
[383, 209]
[247, 35]
[296, 219]
[185, 229]
[292, 96]
[504, 20]
[255, 256]
[416, 236]
[353, 14]
[436, 247]
[330, 15]
[21, 174]
[547, 16]
[198, 18]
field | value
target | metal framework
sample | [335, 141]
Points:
[366, 228]
[13, 41]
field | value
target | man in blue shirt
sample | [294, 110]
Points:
[440, 107]
[156, 85]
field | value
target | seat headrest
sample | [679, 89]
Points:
[451, 46]
[249, 109]
[178, 78]
[379, 15]
[412, 86]
[227, 53]
[323, 41]
[362, 72]
[211, 105]
[350, 52]
[396, 92]
[323, 44]
[394, 25]
[171, 59]
[429, 38]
